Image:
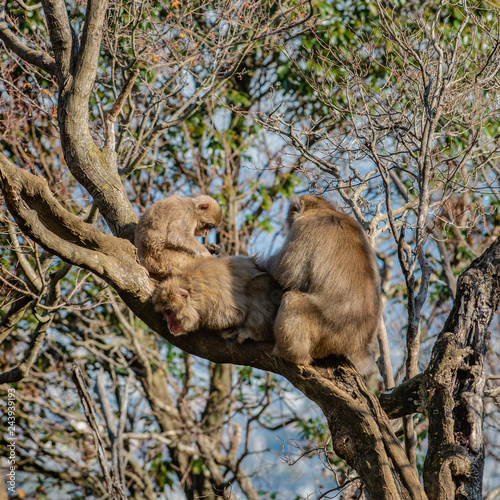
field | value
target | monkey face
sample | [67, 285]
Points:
[174, 302]
[209, 215]
[173, 324]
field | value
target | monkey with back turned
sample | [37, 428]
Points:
[328, 270]
[166, 233]
[229, 294]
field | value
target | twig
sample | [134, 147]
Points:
[115, 489]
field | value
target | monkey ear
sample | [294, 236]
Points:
[296, 208]
[297, 205]
[203, 207]
[183, 293]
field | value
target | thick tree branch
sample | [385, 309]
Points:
[465, 334]
[31, 56]
[455, 384]
[361, 431]
[60, 37]
[43, 219]
[35, 192]
[112, 114]
[405, 399]
[452, 388]
[94, 168]
[86, 62]
[350, 409]
[19, 372]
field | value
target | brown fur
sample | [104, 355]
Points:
[329, 272]
[166, 234]
[220, 294]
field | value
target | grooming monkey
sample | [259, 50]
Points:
[329, 273]
[230, 294]
[166, 234]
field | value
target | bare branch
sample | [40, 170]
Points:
[61, 38]
[115, 489]
[28, 8]
[12, 42]
[112, 114]
[62, 233]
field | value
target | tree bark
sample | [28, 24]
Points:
[93, 167]
[361, 432]
[360, 429]
[455, 381]
[451, 389]
[405, 399]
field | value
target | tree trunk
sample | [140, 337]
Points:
[361, 432]
[455, 381]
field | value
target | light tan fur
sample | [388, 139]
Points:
[230, 294]
[329, 273]
[166, 234]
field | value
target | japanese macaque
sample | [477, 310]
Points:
[328, 270]
[230, 294]
[166, 234]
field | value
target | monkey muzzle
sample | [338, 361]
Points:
[204, 230]
[172, 323]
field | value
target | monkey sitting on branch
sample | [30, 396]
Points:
[328, 270]
[229, 294]
[166, 233]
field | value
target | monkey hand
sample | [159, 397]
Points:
[213, 248]
[229, 333]
[245, 333]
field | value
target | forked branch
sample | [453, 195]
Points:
[354, 415]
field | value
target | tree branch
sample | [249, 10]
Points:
[86, 61]
[350, 409]
[455, 384]
[60, 37]
[43, 219]
[115, 488]
[35, 57]
[21, 371]
[94, 168]
[405, 399]
[361, 431]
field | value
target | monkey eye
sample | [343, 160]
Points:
[183, 293]
[209, 226]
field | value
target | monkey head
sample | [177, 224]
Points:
[208, 215]
[173, 299]
[305, 203]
